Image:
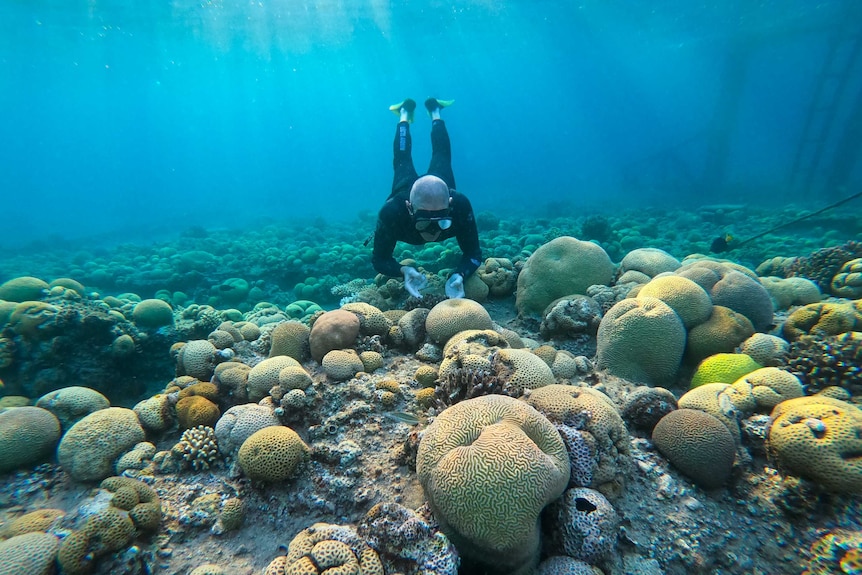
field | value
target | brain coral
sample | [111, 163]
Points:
[239, 422]
[264, 376]
[336, 329]
[786, 292]
[848, 281]
[649, 261]
[641, 339]
[27, 435]
[70, 404]
[488, 467]
[746, 296]
[31, 553]
[565, 565]
[290, 338]
[765, 349]
[825, 318]
[329, 549]
[523, 369]
[563, 266]
[272, 454]
[818, 438]
[697, 444]
[196, 410]
[723, 401]
[686, 298]
[196, 359]
[25, 288]
[88, 450]
[596, 438]
[342, 364]
[770, 386]
[721, 333]
[723, 368]
[454, 315]
[371, 319]
[732, 286]
[153, 313]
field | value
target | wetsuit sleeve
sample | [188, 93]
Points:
[468, 238]
[384, 244]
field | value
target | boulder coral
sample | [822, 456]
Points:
[723, 368]
[32, 553]
[324, 548]
[818, 438]
[642, 340]
[153, 313]
[582, 524]
[24, 288]
[290, 338]
[197, 359]
[27, 436]
[770, 386]
[264, 376]
[571, 315]
[341, 364]
[697, 444]
[721, 333]
[455, 315]
[239, 422]
[336, 329]
[690, 301]
[563, 266]
[71, 404]
[823, 318]
[89, 449]
[648, 261]
[787, 292]
[272, 454]
[500, 276]
[733, 286]
[488, 467]
[765, 349]
[848, 281]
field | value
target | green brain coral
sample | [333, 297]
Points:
[723, 368]
[488, 466]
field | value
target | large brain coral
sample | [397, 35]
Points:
[27, 435]
[649, 261]
[563, 266]
[641, 339]
[455, 315]
[686, 298]
[488, 466]
[733, 286]
[88, 450]
[272, 454]
[818, 438]
[697, 444]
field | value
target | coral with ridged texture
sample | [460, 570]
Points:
[818, 438]
[88, 450]
[28, 435]
[697, 444]
[723, 368]
[272, 454]
[455, 315]
[488, 467]
[642, 340]
[690, 301]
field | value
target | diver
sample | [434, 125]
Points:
[427, 208]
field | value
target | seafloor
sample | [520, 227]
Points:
[361, 429]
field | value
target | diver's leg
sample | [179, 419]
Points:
[402, 152]
[441, 153]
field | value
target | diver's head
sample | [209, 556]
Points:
[430, 207]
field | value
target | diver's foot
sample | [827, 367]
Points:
[404, 109]
[434, 105]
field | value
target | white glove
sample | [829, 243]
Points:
[414, 281]
[455, 286]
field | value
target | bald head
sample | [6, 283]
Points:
[429, 193]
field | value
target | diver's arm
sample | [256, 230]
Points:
[468, 238]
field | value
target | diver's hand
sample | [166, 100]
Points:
[455, 286]
[413, 281]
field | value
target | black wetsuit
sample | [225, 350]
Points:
[394, 223]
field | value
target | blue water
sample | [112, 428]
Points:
[146, 117]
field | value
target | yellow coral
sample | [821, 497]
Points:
[196, 410]
[272, 454]
[290, 338]
[39, 520]
[526, 369]
[723, 368]
[848, 281]
[31, 553]
[721, 333]
[265, 375]
[425, 376]
[371, 360]
[770, 386]
[371, 319]
[824, 318]
[818, 438]
[425, 396]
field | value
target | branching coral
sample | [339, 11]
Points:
[820, 362]
[822, 265]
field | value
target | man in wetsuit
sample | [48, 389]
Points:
[425, 209]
